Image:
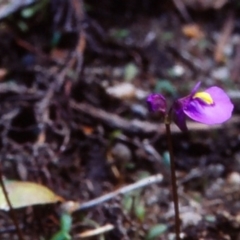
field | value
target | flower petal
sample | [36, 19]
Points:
[180, 120]
[217, 113]
[157, 102]
[194, 90]
[179, 116]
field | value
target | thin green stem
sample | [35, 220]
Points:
[11, 210]
[173, 179]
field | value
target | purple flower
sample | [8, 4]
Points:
[211, 106]
[157, 103]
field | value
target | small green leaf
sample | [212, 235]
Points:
[130, 165]
[127, 202]
[130, 72]
[55, 38]
[120, 33]
[32, 10]
[23, 26]
[66, 222]
[28, 12]
[140, 211]
[167, 36]
[210, 218]
[61, 235]
[23, 194]
[156, 231]
[115, 134]
[143, 174]
[165, 86]
[166, 159]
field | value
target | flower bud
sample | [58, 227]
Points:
[157, 103]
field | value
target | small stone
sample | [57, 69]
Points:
[121, 153]
[126, 91]
[139, 110]
[190, 218]
[215, 170]
[234, 178]
[178, 70]
[221, 73]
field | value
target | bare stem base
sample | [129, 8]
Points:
[173, 181]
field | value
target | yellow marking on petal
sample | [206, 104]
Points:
[204, 96]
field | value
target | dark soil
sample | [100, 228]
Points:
[67, 123]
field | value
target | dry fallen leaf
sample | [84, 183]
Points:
[23, 194]
[87, 130]
[192, 31]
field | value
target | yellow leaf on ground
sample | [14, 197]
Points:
[23, 194]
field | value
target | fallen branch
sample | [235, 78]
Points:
[140, 184]
[71, 206]
[136, 126]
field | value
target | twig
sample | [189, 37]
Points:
[182, 9]
[32, 49]
[222, 41]
[136, 126]
[11, 210]
[115, 121]
[140, 184]
[94, 232]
